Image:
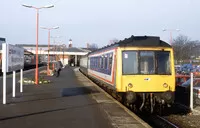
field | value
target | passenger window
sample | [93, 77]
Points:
[96, 62]
[90, 63]
[105, 63]
[102, 62]
[99, 62]
[110, 61]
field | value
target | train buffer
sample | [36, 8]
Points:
[70, 101]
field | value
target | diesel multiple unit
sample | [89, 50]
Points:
[139, 69]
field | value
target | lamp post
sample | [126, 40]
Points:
[49, 29]
[37, 25]
[171, 30]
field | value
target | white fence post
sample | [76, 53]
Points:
[14, 83]
[21, 80]
[4, 87]
[191, 91]
[4, 65]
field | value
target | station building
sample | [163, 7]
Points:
[67, 55]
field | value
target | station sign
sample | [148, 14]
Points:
[14, 58]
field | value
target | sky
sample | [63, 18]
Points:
[92, 21]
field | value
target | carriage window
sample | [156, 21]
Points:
[106, 63]
[147, 62]
[101, 61]
[90, 63]
[110, 61]
[130, 62]
[96, 62]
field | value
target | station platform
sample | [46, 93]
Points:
[70, 101]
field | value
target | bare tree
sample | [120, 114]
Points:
[114, 40]
[195, 46]
[180, 46]
[93, 45]
[184, 48]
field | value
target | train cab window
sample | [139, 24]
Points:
[130, 62]
[147, 62]
[163, 63]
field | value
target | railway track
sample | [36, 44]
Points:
[161, 122]
[155, 121]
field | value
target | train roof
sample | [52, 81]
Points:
[143, 41]
[138, 41]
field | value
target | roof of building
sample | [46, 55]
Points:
[70, 49]
[33, 45]
[73, 49]
[89, 49]
[27, 52]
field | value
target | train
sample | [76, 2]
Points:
[140, 70]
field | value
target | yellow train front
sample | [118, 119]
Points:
[141, 70]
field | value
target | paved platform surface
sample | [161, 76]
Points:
[196, 106]
[71, 101]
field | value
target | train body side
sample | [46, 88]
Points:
[84, 64]
[102, 67]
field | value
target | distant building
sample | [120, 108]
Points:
[2, 40]
[70, 43]
[70, 55]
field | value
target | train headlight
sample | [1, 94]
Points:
[165, 85]
[130, 85]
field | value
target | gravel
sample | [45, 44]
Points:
[185, 121]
